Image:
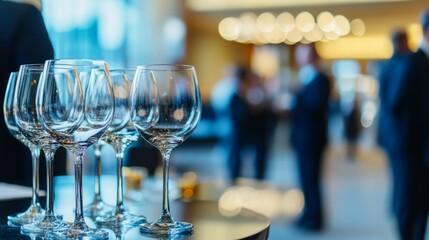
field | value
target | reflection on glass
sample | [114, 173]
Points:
[24, 105]
[178, 113]
[120, 135]
[35, 211]
[75, 103]
[97, 208]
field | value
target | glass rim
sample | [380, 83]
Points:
[38, 67]
[166, 67]
[82, 61]
[32, 65]
[122, 70]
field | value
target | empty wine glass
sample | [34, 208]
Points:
[97, 208]
[179, 111]
[76, 109]
[24, 105]
[35, 211]
[120, 135]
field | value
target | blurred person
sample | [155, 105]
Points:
[309, 132]
[407, 100]
[220, 98]
[390, 140]
[352, 126]
[23, 40]
[250, 117]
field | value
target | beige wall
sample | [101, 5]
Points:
[210, 54]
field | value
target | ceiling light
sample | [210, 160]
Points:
[229, 28]
[305, 22]
[326, 22]
[357, 27]
[286, 22]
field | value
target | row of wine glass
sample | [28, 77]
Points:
[74, 103]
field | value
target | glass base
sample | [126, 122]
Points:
[98, 209]
[160, 228]
[119, 230]
[33, 214]
[125, 218]
[49, 223]
[79, 230]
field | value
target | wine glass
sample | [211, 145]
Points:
[120, 135]
[24, 110]
[97, 208]
[76, 110]
[179, 111]
[35, 211]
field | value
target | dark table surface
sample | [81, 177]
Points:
[208, 222]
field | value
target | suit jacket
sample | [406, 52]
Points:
[421, 70]
[23, 39]
[310, 115]
[395, 113]
[408, 99]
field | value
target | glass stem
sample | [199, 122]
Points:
[35, 155]
[166, 216]
[78, 188]
[97, 152]
[49, 155]
[119, 184]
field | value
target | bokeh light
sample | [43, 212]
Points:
[286, 22]
[267, 28]
[229, 28]
[305, 22]
[266, 22]
[358, 27]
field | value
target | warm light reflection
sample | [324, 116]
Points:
[314, 35]
[276, 36]
[265, 63]
[304, 22]
[247, 33]
[229, 28]
[266, 22]
[331, 35]
[267, 201]
[188, 184]
[286, 22]
[178, 114]
[415, 35]
[358, 27]
[230, 202]
[294, 36]
[266, 28]
[356, 48]
[326, 22]
[342, 25]
[293, 202]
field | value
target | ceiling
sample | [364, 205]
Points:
[380, 16]
[222, 5]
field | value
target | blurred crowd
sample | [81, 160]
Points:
[251, 107]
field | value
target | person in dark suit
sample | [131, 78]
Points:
[390, 141]
[252, 124]
[23, 40]
[407, 100]
[309, 132]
